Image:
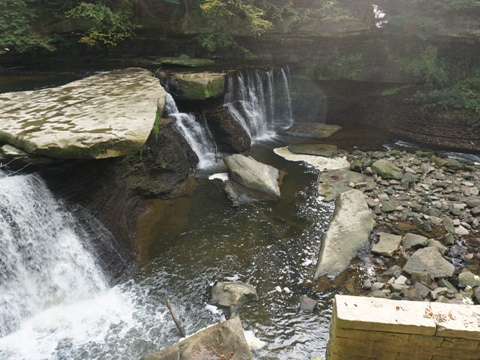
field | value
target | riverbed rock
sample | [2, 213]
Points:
[429, 260]
[232, 294]
[325, 150]
[414, 241]
[253, 175]
[387, 170]
[225, 340]
[102, 116]
[228, 133]
[348, 232]
[387, 244]
[312, 130]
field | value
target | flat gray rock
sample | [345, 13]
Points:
[414, 241]
[429, 260]
[387, 170]
[102, 116]
[387, 245]
[348, 232]
[252, 174]
[314, 149]
[313, 130]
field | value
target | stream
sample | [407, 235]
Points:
[184, 246]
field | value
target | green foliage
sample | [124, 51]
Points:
[224, 20]
[462, 97]
[108, 25]
[16, 30]
[429, 66]
[345, 67]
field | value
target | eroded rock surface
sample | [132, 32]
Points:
[102, 116]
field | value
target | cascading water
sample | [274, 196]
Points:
[54, 300]
[259, 101]
[194, 133]
[43, 262]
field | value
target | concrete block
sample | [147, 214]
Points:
[457, 321]
[373, 314]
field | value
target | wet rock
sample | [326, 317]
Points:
[387, 170]
[325, 150]
[194, 85]
[429, 260]
[307, 304]
[312, 130]
[232, 294]
[225, 340]
[387, 244]
[356, 166]
[253, 175]
[229, 134]
[347, 233]
[453, 164]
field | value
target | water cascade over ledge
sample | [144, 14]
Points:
[259, 101]
[44, 262]
[195, 134]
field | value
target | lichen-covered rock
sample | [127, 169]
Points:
[102, 116]
[194, 86]
[387, 170]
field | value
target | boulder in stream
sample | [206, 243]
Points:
[253, 175]
[225, 340]
[348, 232]
[429, 260]
[232, 294]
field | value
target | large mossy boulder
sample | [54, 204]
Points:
[102, 116]
[194, 86]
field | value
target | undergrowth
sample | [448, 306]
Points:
[461, 96]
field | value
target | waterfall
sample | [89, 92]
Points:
[194, 133]
[259, 101]
[43, 262]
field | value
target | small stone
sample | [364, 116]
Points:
[387, 207]
[414, 241]
[421, 276]
[401, 280]
[367, 284]
[307, 304]
[461, 231]
[438, 245]
[467, 278]
[422, 289]
[387, 244]
[475, 211]
[438, 291]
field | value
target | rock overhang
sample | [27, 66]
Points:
[105, 115]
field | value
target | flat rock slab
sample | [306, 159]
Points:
[314, 149]
[319, 162]
[102, 116]
[387, 245]
[312, 130]
[348, 232]
[222, 341]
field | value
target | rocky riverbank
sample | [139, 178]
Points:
[427, 209]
